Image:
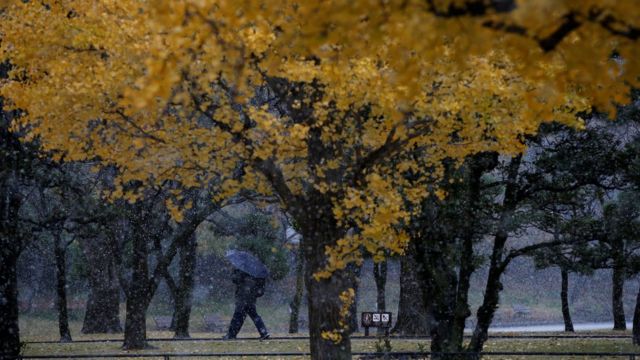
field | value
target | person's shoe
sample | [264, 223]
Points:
[265, 336]
[228, 337]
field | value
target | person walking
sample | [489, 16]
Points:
[248, 289]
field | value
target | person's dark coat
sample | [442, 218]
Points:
[248, 289]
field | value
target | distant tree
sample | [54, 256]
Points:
[380, 270]
[182, 289]
[68, 207]
[559, 159]
[296, 301]
[632, 175]
[497, 198]
[23, 168]
[559, 217]
[415, 317]
[618, 248]
[100, 249]
[445, 233]
[151, 235]
[258, 235]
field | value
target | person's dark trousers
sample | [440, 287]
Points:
[242, 310]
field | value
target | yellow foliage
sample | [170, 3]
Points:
[347, 298]
[184, 90]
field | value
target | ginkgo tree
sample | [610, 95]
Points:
[331, 106]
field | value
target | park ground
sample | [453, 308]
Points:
[36, 331]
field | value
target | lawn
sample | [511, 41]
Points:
[35, 329]
[301, 345]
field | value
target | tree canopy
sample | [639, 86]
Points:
[292, 97]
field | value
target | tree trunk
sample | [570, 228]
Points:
[183, 299]
[477, 166]
[462, 310]
[414, 313]
[491, 296]
[324, 315]
[10, 248]
[619, 322]
[61, 286]
[636, 321]
[355, 272]
[135, 328]
[326, 310]
[142, 287]
[438, 284]
[566, 315]
[443, 288]
[103, 305]
[297, 297]
[496, 268]
[9, 329]
[380, 276]
[448, 263]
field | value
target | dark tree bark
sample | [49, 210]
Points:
[61, 287]
[617, 283]
[324, 313]
[297, 297]
[491, 296]
[619, 322]
[448, 263]
[467, 267]
[355, 272]
[319, 230]
[182, 312]
[103, 306]
[13, 162]
[10, 248]
[142, 286]
[138, 298]
[313, 212]
[414, 310]
[636, 321]
[566, 315]
[497, 263]
[9, 330]
[442, 283]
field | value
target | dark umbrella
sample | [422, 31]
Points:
[247, 263]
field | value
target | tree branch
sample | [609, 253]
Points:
[278, 182]
[474, 8]
[531, 248]
[178, 237]
[389, 147]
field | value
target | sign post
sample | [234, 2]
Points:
[376, 319]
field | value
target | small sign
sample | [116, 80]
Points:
[375, 319]
[366, 319]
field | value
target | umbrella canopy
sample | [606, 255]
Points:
[247, 263]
